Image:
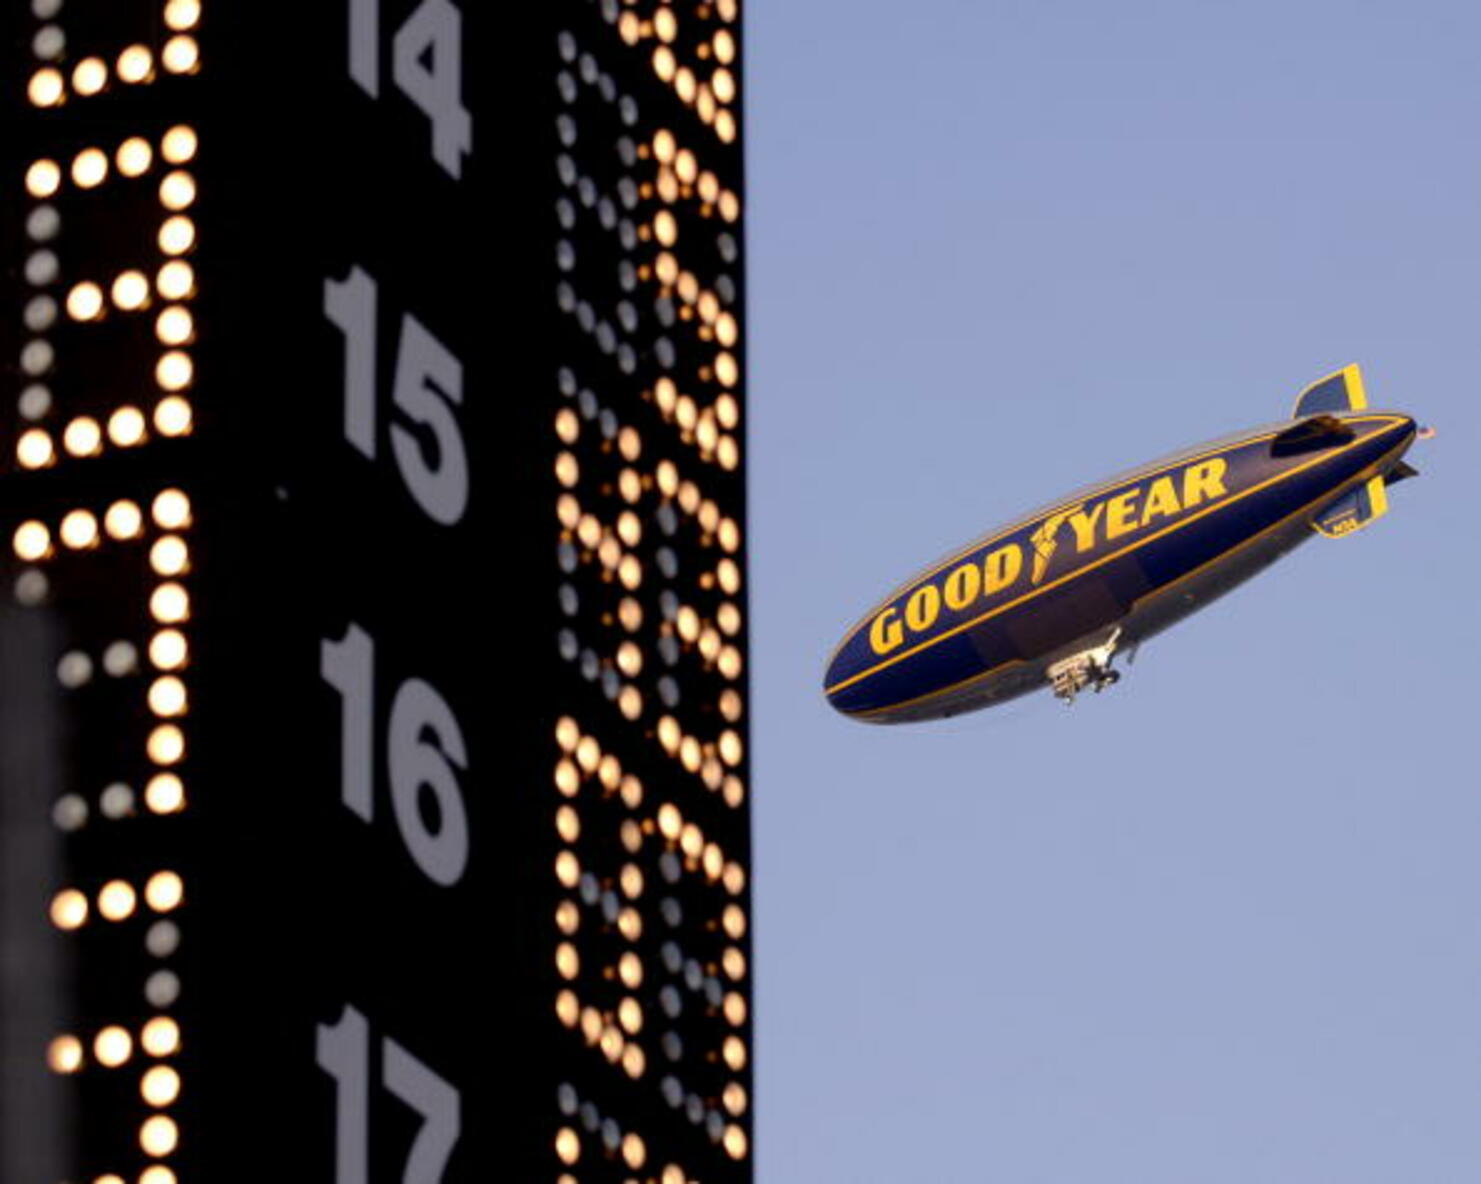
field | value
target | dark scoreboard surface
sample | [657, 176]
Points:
[333, 336]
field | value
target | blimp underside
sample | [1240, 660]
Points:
[1051, 598]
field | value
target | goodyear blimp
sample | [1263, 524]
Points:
[1055, 597]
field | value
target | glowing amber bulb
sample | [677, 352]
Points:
[89, 168]
[116, 900]
[170, 556]
[567, 824]
[135, 64]
[174, 371]
[175, 280]
[126, 427]
[630, 970]
[83, 436]
[171, 509]
[43, 178]
[89, 76]
[567, 917]
[123, 520]
[134, 156]
[158, 1174]
[567, 778]
[177, 235]
[734, 962]
[173, 416]
[722, 82]
[181, 55]
[182, 14]
[79, 530]
[567, 1010]
[567, 869]
[664, 62]
[634, 1153]
[734, 1052]
[167, 696]
[175, 325]
[164, 794]
[113, 1046]
[32, 541]
[131, 290]
[633, 1061]
[567, 1145]
[160, 1037]
[177, 190]
[167, 649]
[68, 909]
[160, 1086]
[64, 1054]
[166, 745]
[567, 733]
[170, 603]
[665, 24]
[567, 961]
[734, 921]
[159, 1135]
[46, 88]
[164, 891]
[179, 144]
[735, 1142]
[630, 702]
[34, 450]
[85, 301]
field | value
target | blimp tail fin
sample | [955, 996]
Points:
[1342, 391]
[1355, 509]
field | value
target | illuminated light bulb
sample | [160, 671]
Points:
[666, 267]
[591, 1024]
[728, 452]
[688, 623]
[567, 733]
[685, 84]
[634, 1153]
[567, 425]
[46, 88]
[158, 1174]
[709, 307]
[686, 165]
[630, 1015]
[567, 1145]
[589, 530]
[630, 702]
[68, 909]
[160, 1037]
[179, 144]
[170, 603]
[164, 794]
[630, 613]
[167, 649]
[85, 302]
[160, 1086]
[167, 696]
[177, 235]
[567, 471]
[134, 156]
[175, 325]
[182, 14]
[612, 1043]
[170, 556]
[567, 1010]
[730, 700]
[89, 168]
[567, 917]
[568, 510]
[666, 228]
[723, 84]
[713, 861]
[177, 190]
[116, 900]
[113, 1046]
[83, 437]
[633, 1061]
[630, 970]
[664, 145]
[665, 24]
[734, 921]
[730, 747]
[64, 1055]
[567, 869]
[567, 825]
[174, 371]
[665, 394]
[664, 63]
[734, 792]
[609, 553]
[729, 573]
[629, 659]
[670, 821]
[43, 178]
[130, 290]
[688, 287]
[688, 497]
[588, 753]
[567, 961]
[34, 449]
[727, 330]
[175, 280]
[673, 1174]
[174, 417]
[126, 427]
[734, 1052]
[79, 530]
[610, 771]
[727, 410]
[729, 202]
[735, 1009]
[567, 778]
[180, 55]
[730, 662]
[736, 1142]
[630, 924]
[123, 520]
[669, 734]
[630, 572]
[135, 64]
[686, 412]
[691, 838]
[630, 28]
[630, 485]
[166, 745]
[171, 509]
[159, 1136]
[89, 76]
[164, 891]
[724, 46]
[734, 963]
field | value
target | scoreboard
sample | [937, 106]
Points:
[374, 768]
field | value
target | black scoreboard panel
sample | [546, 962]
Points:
[374, 698]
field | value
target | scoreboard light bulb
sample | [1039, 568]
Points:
[79, 530]
[567, 471]
[709, 187]
[588, 754]
[724, 44]
[167, 696]
[116, 900]
[730, 662]
[568, 510]
[735, 1009]
[633, 1061]
[728, 453]
[46, 88]
[123, 520]
[722, 82]
[634, 1152]
[736, 1142]
[567, 778]
[567, 1145]
[630, 703]
[630, 1015]
[43, 178]
[34, 450]
[85, 302]
[567, 733]
[177, 190]
[64, 1055]
[567, 824]
[126, 427]
[175, 325]
[89, 76]
[730, 700]
[630, 572]
[567, 961]
[31, 541]
[665, 24]
[664, 145]
[166, 745]
[567, 869]
[69, 909]
[174, 417]
[83, 437]
[567, 1010]
[160, 1086]
[170, 556]
[113, 1046]
[159, 1136]
[664, 63]
[181, 55]
[134, 156]
[164, 891]
[729, 573]
[168, 650]
[686, 84]
[630, 970]
[174, 371]
[158, 1174]
[171, 509]
[734, 921]
[567, 917]
[729, 202]
[567, 425]
[177, 235]
[160, 1037]
[686, 165]
[727, 331]
[175, 280]
[734, 1052]
[131, 290]
[165, 794]
[170, 603]
[691, 838]
[179, 144]
[89, 168]
[734, 963]
[734, 792]
[182, 14]
[666, 228]
[135, 64]
[730, 747]
[665, 394]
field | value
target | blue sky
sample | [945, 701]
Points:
[1222, 923]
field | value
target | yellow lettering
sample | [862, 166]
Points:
[886, 633]
[1204, 480]
[1084, 525]
[1121, 513]
[1001, 568]
[1162, 500]
[923, 607]
[963, 585]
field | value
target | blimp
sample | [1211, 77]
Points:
[1054, 598]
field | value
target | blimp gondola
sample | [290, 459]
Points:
[1053, 599]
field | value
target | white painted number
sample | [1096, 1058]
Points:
[425, 751]
[343, 1051]
[427, 65]
[427, 385]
